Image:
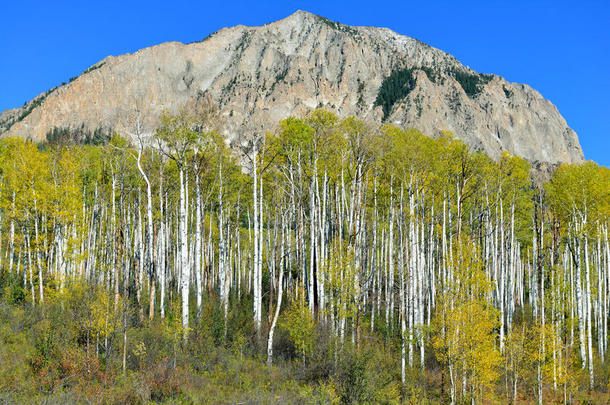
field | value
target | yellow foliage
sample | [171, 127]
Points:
[92, 307]
[299, 323]
[341, 283]
[464, 335]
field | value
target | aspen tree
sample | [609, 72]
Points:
[177, 135]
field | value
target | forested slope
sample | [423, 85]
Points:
[344, 263]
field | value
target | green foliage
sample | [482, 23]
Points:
[432, 73]
[45, 356]
[14, 294]
[210, 35]
[580, 191]
[400, 83]
[88, 70]
[178, 134]
[280, 77]
[355, 379]
[394, 88]
[335, 25]
[66, 136]
[472, 83]
[11, 289]
[64, 328]
[299, 323]
[341, 285]
[94, 67]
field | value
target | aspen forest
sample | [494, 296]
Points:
[324, 261]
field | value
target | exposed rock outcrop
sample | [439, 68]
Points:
[264, 74]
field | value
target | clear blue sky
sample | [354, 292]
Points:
[561, 48]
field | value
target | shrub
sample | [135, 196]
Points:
[14, 294]
[299, 323]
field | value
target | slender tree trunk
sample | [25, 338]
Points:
[183, 251]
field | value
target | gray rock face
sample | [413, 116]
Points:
[260, 75]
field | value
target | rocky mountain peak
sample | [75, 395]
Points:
[264, 74]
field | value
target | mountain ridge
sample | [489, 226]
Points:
[265, 73]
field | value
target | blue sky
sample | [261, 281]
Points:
[561, 48]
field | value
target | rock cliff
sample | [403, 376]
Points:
[260, 75]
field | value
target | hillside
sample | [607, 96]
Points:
[264, 74]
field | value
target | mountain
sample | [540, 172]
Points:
[264, 74]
